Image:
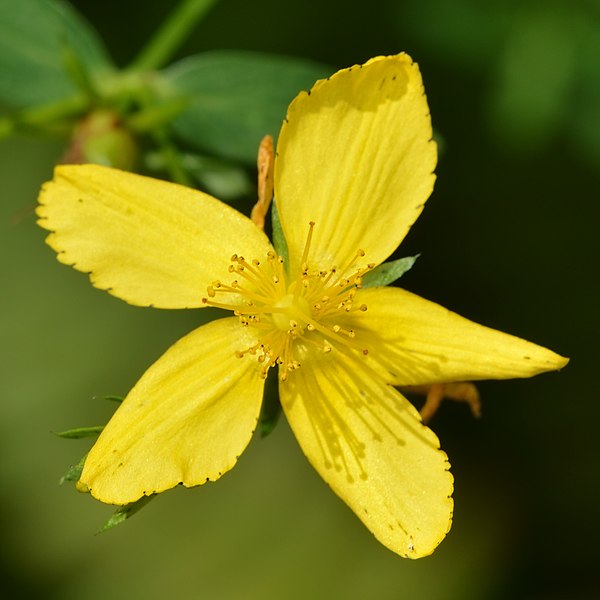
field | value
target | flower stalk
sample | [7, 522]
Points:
[171, 35]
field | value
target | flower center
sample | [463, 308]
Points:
[293, 310]
[311, 309]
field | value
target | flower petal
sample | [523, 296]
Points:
[146, 241]
[355, 156]
[419, 342]
[186, 421]
[368, 443]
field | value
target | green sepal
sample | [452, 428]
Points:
[271, 408]
[113, 398]
[74, 471]
[279, 242]
[33, 34]
[388, 272]
[80, 432]
[125, 512]
[236, 98]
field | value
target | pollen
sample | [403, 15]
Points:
[291, 310]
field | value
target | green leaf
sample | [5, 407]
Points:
[74, 471]
[279, 242]
[33, 37]
[80, 432]
[125, 512]
[236, 98]
[388, 272]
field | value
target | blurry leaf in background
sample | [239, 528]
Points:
[537, 64]
[462, 32]
[529, 101]
[584, 117]
[237, 98]
[222, 179]
[33, 38]
[56, 71]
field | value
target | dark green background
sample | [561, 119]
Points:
[509, 238]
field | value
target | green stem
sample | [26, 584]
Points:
[157, 115]
[171, 159]
[45, 114]
[171, 35]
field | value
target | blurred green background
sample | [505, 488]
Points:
[509, 239]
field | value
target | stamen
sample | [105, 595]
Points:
[358, 254]
[311, 227]
[313, 309]
[304, 269]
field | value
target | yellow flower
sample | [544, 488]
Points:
[353, 170]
